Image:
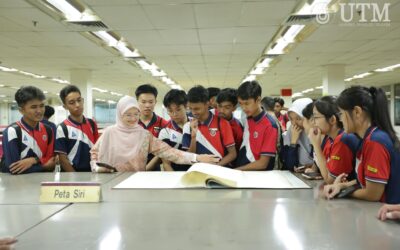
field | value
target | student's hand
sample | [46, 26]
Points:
[389, 212]
[295, 133]
[300, 169]
[97, 169]
[194, 125]
[7, 243]
[50, 163]
[342, 178]
[22, 165]
[315, 137]
[331, 190]
[208, 158]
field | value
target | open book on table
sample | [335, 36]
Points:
[202, 175]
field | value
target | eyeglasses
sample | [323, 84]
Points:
[79, 101]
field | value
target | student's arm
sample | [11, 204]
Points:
[229, 157]
[388, 211]
[65, 164]
[316, 141]
[260, 164]
[373, 191]
[153, 163]
[167, 165]
[193, 132]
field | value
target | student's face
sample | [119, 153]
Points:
[213, 102]
[131, 117]
[277, 107]
[321, 122]
[250, 106]
[225, 110]
[295, 119]
[198, 109]
[177, 112]
[74, 102]
[345, 118]
[33, 110]
[307, 125]
[147, 102]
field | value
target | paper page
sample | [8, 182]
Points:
[152, 180]
[199, 172]
[271, 179]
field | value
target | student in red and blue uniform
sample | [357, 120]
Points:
[260, 135]
[28, 144]
[175, 101]
[76, 135]
[282, 118]
[207, 133]
[146, 95]
[227, 102]
[341, 157]
[364, 111]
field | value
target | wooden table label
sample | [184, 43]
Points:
[69, 192]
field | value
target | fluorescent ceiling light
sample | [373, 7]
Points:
[31, 74]
[45, 92]
[121, 47]
[297, 95]
[70, 12]
[7, 69]
[175, 86]
[157, 73]
[348, 79]
[1, 85]
[167, 80]
[116, 94]
[111, 102]
[257, 71]
[60, 81]
[100, 100]
[317, 7]
[106, 37]
[2, 96]
[279, 47]
[362, 75]
[249, 78]
[292, 32]
[389, 68]
[319, 87]
[144, 65]
[307, 90]
[100, 90]
[265, 63]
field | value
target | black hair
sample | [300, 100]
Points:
[67, 90]
[212, 91]
[268, 103]
[198, 94]
[280, 101]
[228, 95]
[249, 90]
[308, 111]
[374, 102]
[146, 89]
[48, 111]
[28, 93]
[328, 107]
[175, 96]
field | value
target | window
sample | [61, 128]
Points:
[104, 113]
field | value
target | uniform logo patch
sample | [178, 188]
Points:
[335, 157]
[44, 137]
[73, 135]
[255, 134]
[372, 169]
[213, 131]
[25, 138]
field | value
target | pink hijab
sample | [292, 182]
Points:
[121, 143]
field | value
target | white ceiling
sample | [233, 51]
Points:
[209, 42]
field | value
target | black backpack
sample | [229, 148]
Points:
[18, 130]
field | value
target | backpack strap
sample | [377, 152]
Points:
[18, 130]
[92, 124]
[65, 129]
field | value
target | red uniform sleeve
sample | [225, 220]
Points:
[164, 123]
[226, 132]
[268, 146]
[376, 160]
[49, 152]
[340, 160]
[95, 132]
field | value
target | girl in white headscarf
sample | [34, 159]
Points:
[126, 145]
[297, 150]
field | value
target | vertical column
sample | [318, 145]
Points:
[4, 113]
[333, 79]
[82, 79]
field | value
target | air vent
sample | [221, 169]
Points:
[87, 25]
[300, 19]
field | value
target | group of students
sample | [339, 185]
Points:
[349, 140]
